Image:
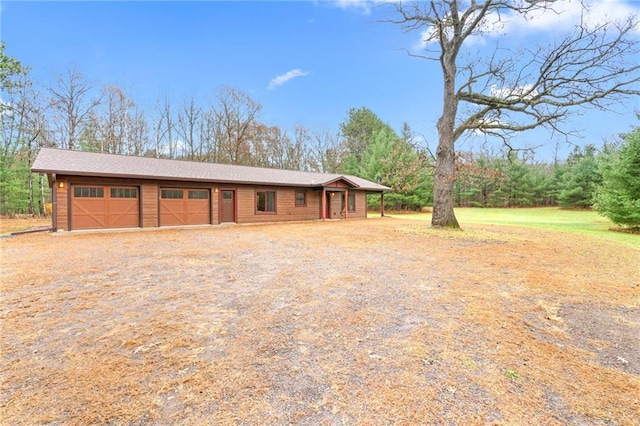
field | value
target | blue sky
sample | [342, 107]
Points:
[306, 62]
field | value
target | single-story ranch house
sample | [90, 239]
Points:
[97, 191]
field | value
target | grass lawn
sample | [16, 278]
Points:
[377, 321]
[9, 225]
[584, 222]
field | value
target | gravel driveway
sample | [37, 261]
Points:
[378, 321]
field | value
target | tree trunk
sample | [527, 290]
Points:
[443, 215]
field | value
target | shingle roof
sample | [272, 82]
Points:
[80, 163]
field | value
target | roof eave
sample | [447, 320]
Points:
[174, 178]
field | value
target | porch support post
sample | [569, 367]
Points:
[323, 205]
[346, 204]
[382, 204]
[54, 202]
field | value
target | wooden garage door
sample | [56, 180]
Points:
[181, 206]
[96, 207]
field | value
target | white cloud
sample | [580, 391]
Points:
[525, 92]
[488, 124]
[566, 14]
[362, 6]
[283, 78]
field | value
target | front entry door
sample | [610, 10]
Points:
[335, 205]
[228, 203]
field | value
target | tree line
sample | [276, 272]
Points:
[71, 114]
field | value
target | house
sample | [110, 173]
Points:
[97, 191]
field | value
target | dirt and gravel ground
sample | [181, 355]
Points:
[378, 321]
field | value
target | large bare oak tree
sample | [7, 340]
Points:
[515, 89]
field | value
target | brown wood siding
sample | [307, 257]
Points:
[149, 195]
[361, 206]
[215, 203]
[62, 197]
[286, 210]
[338, 184]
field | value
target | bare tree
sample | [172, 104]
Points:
[188, 128]
[117, 126]
[326, 153]
[236, 114]
[209, 137]
[163, 131]
[137, 133]
[272, 147]
[70, 100]
[593, 65]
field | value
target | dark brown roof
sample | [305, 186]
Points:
[80, 163]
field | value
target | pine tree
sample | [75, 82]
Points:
[618, 198]
[580, 180]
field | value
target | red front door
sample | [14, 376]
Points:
[228, 206]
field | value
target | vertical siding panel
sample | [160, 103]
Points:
[361, 206]
[149, 200]
[63, 204]
[215, 198]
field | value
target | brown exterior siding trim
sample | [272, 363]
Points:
[319, 204]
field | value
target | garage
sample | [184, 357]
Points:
[185, 206]
[98, 206]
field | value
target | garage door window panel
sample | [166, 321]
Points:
[124, 193]
[88, 192]
[172, 194]
[199, 195]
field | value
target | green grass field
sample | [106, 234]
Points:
[552, 218]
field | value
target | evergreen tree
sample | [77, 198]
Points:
[618, 198]
[358, 130]
[580, 180]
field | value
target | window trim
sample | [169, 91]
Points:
[349, 209]
[304, 198]
[275, 201]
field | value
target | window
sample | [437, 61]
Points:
[124, 193]
[172, 193]
[301, 198]
[266, 202]
[88, 192]
[352, 201]
[227, 195]
[202, 194]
